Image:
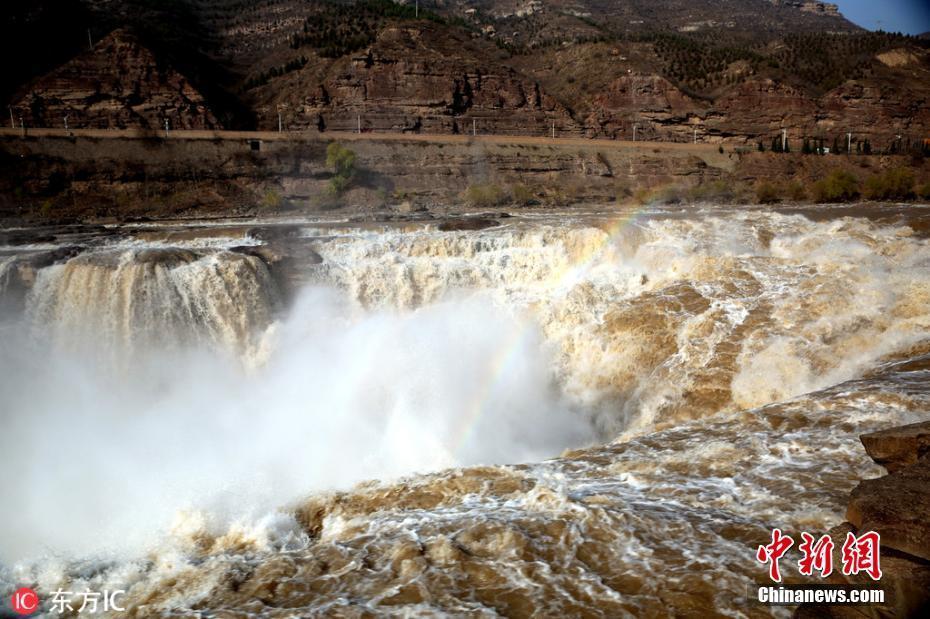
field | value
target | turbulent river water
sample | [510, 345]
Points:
[586, 414]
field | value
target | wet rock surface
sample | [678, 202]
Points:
[169, 257]
[287, 256]
[898, 448]
[20, 275]
[897, 506]
[906, 581]
[467, 223]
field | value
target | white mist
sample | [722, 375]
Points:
[100, 460]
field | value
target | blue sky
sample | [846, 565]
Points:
[908, 16]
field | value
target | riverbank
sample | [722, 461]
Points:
[93, 175]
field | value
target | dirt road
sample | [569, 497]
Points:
[311, 135]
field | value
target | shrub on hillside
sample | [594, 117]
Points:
[565, 192]
[795, 191]
[893, 184]
[713, 191]
[484, 196]
[623, 192]
[272, 199]
[924, 191]
[662, 195]
[838, 186]
[642, 196]
[767, 193]
[669, 194]
[521, 195]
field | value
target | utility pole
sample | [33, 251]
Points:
[358, 118]
[635, 126]
[166, 128]
[784, 140]
[66, 122]
[553, 129]
[417, 13]
[279, 122]
[12, 120]
[695, 135]
[90, 41]
[474, 128]
[848, 143]
[22, 125]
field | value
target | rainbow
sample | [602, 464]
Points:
[507, 353]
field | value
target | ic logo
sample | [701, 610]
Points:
[25, 601]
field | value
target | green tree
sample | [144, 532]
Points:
[342, 160]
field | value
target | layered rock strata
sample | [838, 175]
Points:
[897, 506]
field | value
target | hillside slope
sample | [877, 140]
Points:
[728, 70]
[118, 84]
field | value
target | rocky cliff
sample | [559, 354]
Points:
[757, 110]
[868, 110]
[897, 506]
[117, 84]
[818, 8]
[591, 68]
[426, 77]
[416, 77]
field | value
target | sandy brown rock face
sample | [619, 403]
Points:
[898, 448]
[118, 84]
[655, 105]
[897, 506]
[878, 110]
[757, 109]
[761, 107]
[420, 78]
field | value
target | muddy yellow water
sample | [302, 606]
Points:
[595, 415]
